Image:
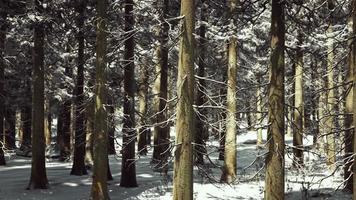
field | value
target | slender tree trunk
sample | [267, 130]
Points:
[229, 170]
[160, 151]
[144, 129]
[47, 123]
[99, 189]
[349, 133]
[354, 94]
[128, 167]
[299, 107]
[10, 128]
[80, 137]
[329, 122]
[90, 134]
[38, 179]
[3, 16]
[200, 133]
[259, 115]
[111, 126]
[274, 184]
[183, 156]
[64, 130]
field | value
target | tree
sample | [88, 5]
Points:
[274, 183]
[3, 16]
[299, 106]
[144, 131]
[330, 101]
[353, 52]
[183, 156]
[38, 179]
[200, 132]
[348, 139]
[229, 170]
[161, 130]
[99, 189]
[128, 167]
[80, 134]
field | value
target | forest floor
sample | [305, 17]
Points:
[314, 181]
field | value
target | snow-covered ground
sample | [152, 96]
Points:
[312, 182]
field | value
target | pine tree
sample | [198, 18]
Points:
[3, 16]
[183, 156]
[38, 179]
[274, 183]
[229, 170]
[99, 189]
[80, 134]
[128, 167]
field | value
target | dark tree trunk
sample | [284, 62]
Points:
[160, 151]
[80, 134]
[64, 130]
[2, 70]
[99, 189]
[274, 184]
[111, 126]
[26, 115]
[38, 179]
[128, 168]
[10, 128]
[200, 133]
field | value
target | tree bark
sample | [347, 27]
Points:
[161, 130]
[3, 16]
[78, 167]
[200, 133]
[329, 122]
[183, 156]
[259, 115]
[354, 93]
[229, 170]
[144, 129]
[349, 133]
[274, 184]
[299, 107]
[38, 179]
[99, 189]
[128, 167]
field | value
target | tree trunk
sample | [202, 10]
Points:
[200, 130]
[89, 136]
[354, 94]
[229, 170]
[349, 133]
[10, 128]
[259, 115]
[160, 151]
[128, 168]
[183, 156]
[99, 189]
[63, 130]
[274, 184]
[298, 107]
[329, 122]
[144, 129]
[3, 16]
[47, 123]
[80, 137]
[38, 178]
[111, 126]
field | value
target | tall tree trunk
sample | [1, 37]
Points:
[160, 151]
[111, 126]
[128, 167]
[200, 129]
[330, 138]
[299, 107]
[90, 134]
[274, 184]
[354, 94]
[349, 133]
[80, 137]
[3, 16]
[99, 189]
[183, 156]
[144, 129]
[259, 115]
[10, 128]
[38, 179]
[48, 122]
[64, 130]
[229, 170]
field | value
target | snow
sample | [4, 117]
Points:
[154, 186]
